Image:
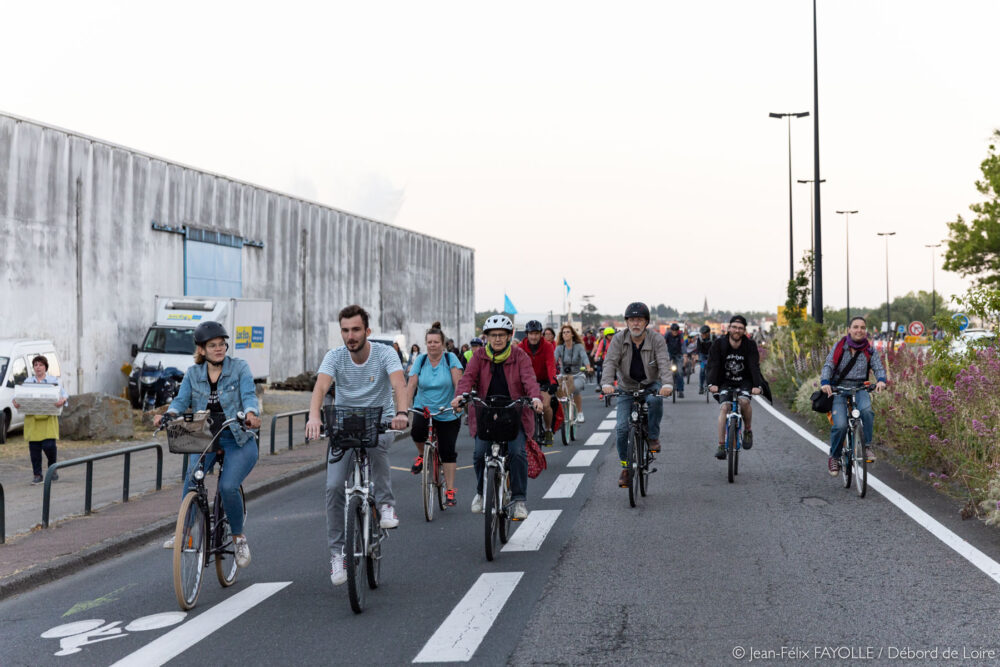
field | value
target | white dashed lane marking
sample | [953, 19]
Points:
[607, 425]
[564, 486]
[597, 439]
[532, 531]
[583, 458]
[458, 637]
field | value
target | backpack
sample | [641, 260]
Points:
[418, 365]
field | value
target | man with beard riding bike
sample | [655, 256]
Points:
[733, 362]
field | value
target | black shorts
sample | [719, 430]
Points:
[746, 386]
[447, 436]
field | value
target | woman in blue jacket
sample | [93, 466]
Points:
[223, 386]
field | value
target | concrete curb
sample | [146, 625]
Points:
[63, 566]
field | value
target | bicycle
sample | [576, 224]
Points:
[852, 463]
[639, 457]
[497, 421]
[357, 430]
[702, 379]
[202, 534]
[431, 477]
[566, 388]
[734, 428]
[677, 379]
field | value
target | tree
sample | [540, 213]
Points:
[797, 293]
[974, 247]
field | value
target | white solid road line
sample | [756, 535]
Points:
[532, 531]
[180, 639]
[607, 425]
[583, 458]
[564, 486]
[988, 566]
[597, 439]
[457, 639]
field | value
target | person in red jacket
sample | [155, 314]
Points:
[501, 369]
[543, 359]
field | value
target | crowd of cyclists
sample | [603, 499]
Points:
[496, 365]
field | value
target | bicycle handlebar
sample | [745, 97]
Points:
[471, 396]
[240, 418]
[427, 414]
[645, 391]
[867, 386]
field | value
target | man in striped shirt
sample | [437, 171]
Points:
[367, 375]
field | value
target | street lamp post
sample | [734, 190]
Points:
[888, 312]
[847, 253]
[812, 236]
[933, 287]
[791, 252]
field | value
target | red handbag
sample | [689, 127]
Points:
[536, 459]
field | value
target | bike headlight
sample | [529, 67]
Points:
[855, 413]
[673, 368]
[635, 414]
[147, 380]
[199, 474]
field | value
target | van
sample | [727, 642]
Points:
[15, 367]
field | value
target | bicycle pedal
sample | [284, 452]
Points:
[652, 470]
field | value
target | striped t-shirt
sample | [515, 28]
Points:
[365, 385]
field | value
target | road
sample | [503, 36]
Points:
[782, 560]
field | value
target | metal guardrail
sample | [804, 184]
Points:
[3, 513]
[89, 460]
[291, 419]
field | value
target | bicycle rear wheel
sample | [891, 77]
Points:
[427, 480]
[223, 549]
[731, 449]
[491, 510]
[190, 542]
[860, 463]
[373, 555]
[503, 523]
[439, 480]
[354, 552]
[632, 467]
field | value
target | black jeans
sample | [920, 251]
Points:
[35, 450]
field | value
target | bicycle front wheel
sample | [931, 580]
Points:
[373, 554]
[491, 510]
[731, 433]
[846, 460]
[224, 551]
[427, 480]
[564, 431]
[503, 523]
[642, 469]
[860, 463]
[190, 542]
[354, 552]
[632, 466]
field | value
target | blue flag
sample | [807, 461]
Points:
[508, 306]
[567, 285]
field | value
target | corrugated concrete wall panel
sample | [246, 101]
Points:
[315, 259]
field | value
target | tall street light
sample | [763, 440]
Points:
[791, 253]
[888, 318]
[812, 237]
[933, 287]
[847, 253]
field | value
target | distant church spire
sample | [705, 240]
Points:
[705, 307]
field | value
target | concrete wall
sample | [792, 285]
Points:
[80, 261]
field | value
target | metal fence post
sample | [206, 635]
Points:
[291, 420]
[3, 513]
[159, 468]
[274, 422]
[89, 488]
[128, 465]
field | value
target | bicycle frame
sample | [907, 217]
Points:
[734, 395]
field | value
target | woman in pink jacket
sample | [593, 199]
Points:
[502, 369]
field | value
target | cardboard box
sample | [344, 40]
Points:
[37, 398]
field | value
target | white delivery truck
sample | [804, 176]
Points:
[169, 342]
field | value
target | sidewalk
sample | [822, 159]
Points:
[33, 555]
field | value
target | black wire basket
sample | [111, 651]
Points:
[190, 435]
[495, 422]
[348, 428]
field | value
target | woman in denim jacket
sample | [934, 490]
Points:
[223, 386]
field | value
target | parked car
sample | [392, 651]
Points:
[963, 340]
[15, 366]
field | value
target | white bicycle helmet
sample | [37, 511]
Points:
[498, 322]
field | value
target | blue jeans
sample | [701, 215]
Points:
[703, 364]
[863, 402]
[239, 462]
[655, 404]
[678, 361]
[517, 463]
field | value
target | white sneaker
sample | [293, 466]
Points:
[169, 544]
[389, 518]
[477, 504]
[338, 574]
[242, 551]
[520, 512]
[579, 418]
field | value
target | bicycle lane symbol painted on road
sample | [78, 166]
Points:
[73, 636]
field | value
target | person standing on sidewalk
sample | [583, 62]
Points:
[42, 431]
[224, 386]
[367, 376]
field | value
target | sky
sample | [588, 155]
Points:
[624, 147]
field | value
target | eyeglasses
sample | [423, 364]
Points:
[497, 335]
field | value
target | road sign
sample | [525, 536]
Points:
[962, 319]
[900, 329]
[916, 328]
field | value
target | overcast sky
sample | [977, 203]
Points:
[625, 147]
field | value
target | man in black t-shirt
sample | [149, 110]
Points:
[733, 362]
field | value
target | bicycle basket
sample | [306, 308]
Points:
[352, 427]
[495, 422]
[190, 437]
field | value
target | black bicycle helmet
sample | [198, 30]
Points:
[637, 309]
[705, 329]
[533, 325]
[675, 327]
[206, 331]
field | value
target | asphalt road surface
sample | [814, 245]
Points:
[783, 565]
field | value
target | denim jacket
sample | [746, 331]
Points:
[236, 392]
